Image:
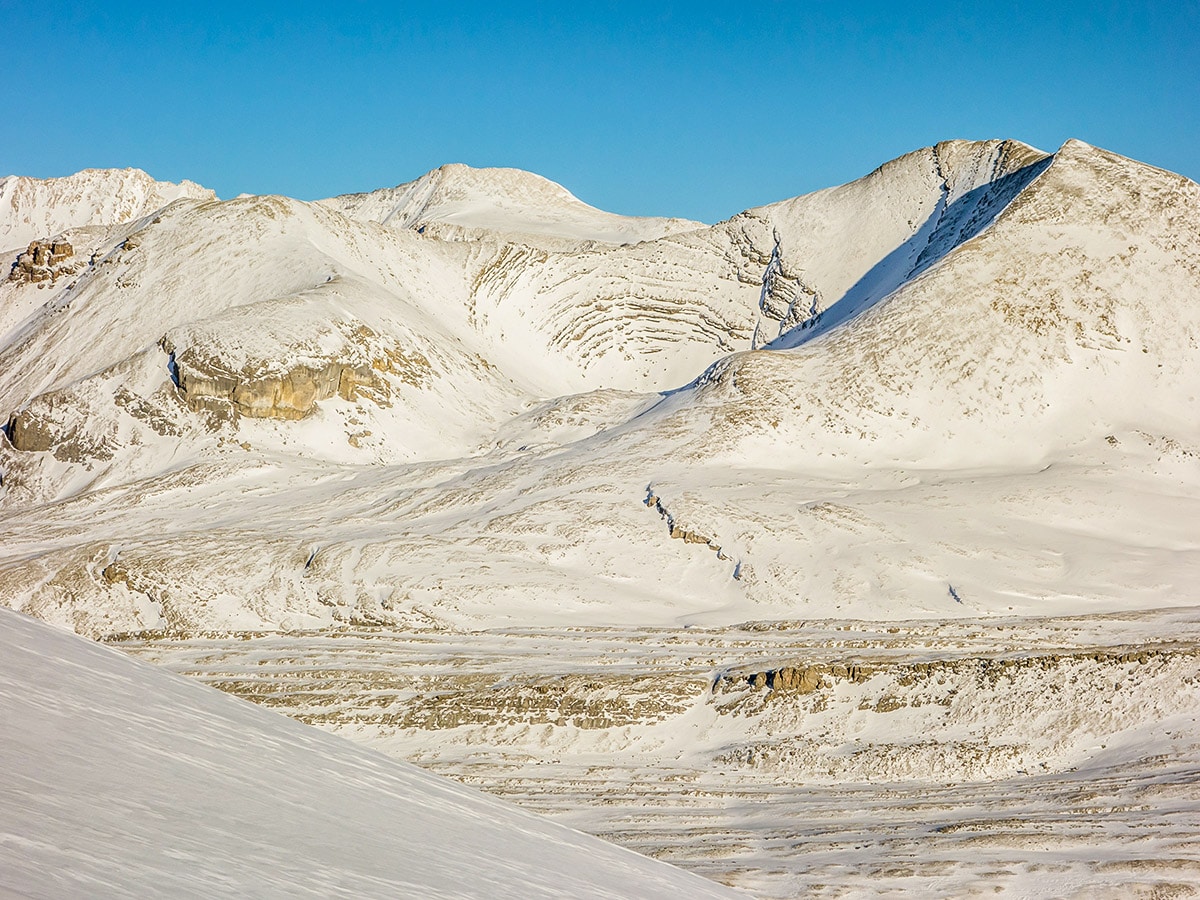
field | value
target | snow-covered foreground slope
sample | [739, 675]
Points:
[121, 780]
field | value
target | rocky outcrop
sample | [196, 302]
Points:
[574, 700]
[679, 532]
[800, 679]
[28, 431]
[53, 422]
[449, 700]
[44, 261]
[289, 395]
[286, 393]
[785, 302]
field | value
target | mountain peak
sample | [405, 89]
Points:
[466, 202]
[32, 208]
[1075, 145]
[509, 182]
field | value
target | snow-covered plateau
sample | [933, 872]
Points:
[844, 547]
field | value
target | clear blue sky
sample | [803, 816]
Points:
[696, 110]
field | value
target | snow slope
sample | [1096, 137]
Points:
[122, 780]
[1022, 757]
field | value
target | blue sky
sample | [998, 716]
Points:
[695, 110]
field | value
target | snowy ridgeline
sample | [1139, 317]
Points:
[121, 779]
[444, 404]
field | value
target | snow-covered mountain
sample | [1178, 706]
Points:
[32, 208]
[459, 202]
[849, 488]
[975, 368]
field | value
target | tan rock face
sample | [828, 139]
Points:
[29, 431]
[290, 395]
[50, 422]
[800, 678]
[44, 261]
[258, 390]
[366, 366]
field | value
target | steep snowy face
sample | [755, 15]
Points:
[460, 202]
[32, 208]
[1071, 316]
[839, 251]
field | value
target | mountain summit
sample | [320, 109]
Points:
[458, 201]
[32, 208]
